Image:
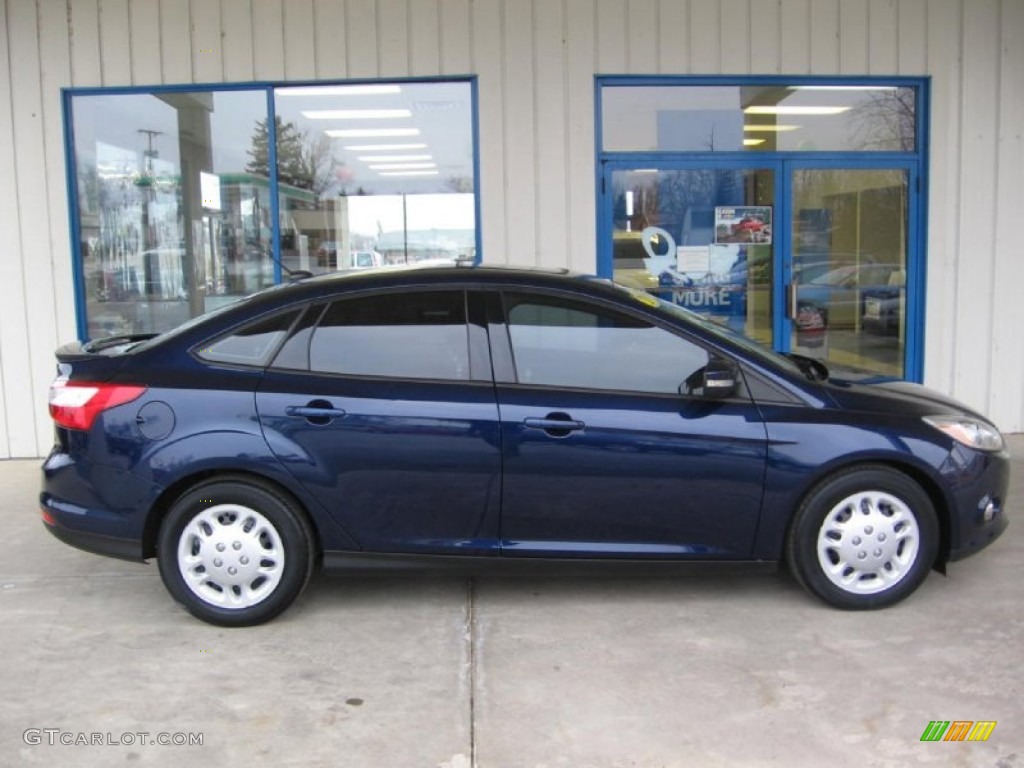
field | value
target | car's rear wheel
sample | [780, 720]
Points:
[863, 538]
[235, 551]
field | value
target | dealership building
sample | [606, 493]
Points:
[834, 178]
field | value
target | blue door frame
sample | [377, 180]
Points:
[783, 166]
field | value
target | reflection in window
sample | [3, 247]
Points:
[569, 344]
[170, 223]
[407, 335]
[372, 175]
[759, 118]
[253, 344]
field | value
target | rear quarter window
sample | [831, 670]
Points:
[252, 344]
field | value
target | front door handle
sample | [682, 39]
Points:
[554, 424]
[316, 412]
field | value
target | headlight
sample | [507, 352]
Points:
[971, 432]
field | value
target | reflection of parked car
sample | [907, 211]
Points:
[840, 294]
[362, 260]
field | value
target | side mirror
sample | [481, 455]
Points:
[719, 379]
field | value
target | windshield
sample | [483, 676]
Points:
[751, 347]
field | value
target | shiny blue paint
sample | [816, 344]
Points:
[646, 475]
[449, 468]
[409, 466]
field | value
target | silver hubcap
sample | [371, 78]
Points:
[231, 556]
[868, 542]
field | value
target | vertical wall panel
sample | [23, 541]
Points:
[520, 134]
[237, 41]
[912, 22]
[299, 40]
[393, 32]
[795, 26]
[1006, 404]
[176, 34]
[268, 39]
[824, 32]
[704, 37]
[18, 437]
[55, 65]
[549, 84]
[944, 51]
[207, 53]
[611, 37]
[642, 41]
[455, 37]
[882, 26]
[579, 99]
[424, 38]
[674, 37]
[361, 38]
[488, 49]
[144, 28]
[329, 39]
[974, 269]
[766, 42]
[115, 42]
[33, 222]
[84, 26]
[735, 31]
[853, 37]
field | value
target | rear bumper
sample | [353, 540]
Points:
[124, 549]
[95, 507]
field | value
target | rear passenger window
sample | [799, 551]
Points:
[419, 335]
[252, 344]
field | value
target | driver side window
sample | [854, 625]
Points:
[565, 343]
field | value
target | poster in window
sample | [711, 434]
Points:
[743, 224]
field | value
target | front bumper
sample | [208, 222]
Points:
[979, 481]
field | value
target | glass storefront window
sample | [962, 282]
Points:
[174, 209]
[372, 175]
[758, 118]
[170, 224]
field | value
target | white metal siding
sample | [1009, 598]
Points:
[536, 61]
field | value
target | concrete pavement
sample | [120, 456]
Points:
[539, 670]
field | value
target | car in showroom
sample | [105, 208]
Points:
[469, 414]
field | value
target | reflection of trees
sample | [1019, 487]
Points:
[303, 161]
[884, 121]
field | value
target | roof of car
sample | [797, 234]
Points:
[404, 274]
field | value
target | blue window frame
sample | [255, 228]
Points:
[829, 137]
[182, 198]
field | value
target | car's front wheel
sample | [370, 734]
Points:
[863, 538]
[235, 551]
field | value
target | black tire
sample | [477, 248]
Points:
[863, 538]
[243, 526]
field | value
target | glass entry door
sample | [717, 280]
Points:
[806, 257]
[848, 247]
[700, 237]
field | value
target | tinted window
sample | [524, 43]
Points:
[407, 335]
[252, 344]
[574, 344]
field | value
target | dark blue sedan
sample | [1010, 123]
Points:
[473, 413]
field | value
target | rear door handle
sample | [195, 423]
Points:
[317, 412]
[554, 424]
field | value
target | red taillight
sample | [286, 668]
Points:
[47, 517]
[76, 404]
